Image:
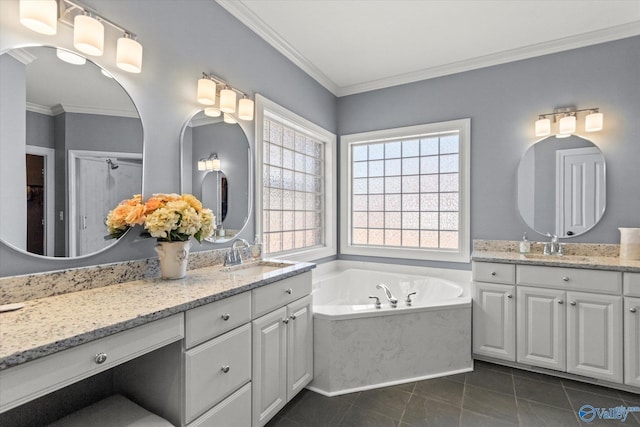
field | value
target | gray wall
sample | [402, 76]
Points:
[181, 39]
[503, 102]
[40, 130]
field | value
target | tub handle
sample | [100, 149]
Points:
[408, 300]
[378, 304]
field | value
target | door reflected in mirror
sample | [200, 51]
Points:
[562, 186]
[216, 168]
[70, 135]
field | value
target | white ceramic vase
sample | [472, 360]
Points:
[173, 257]
[629, 243]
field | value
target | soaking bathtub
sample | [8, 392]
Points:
[359, 347]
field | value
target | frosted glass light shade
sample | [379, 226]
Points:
[593, 122]
[70, 57]
[215, 164]
[88, 35]
[245, 109]
[567, 125]
[227, 101]
[209, 164]
[543, 127]
[212, 112]
[202, 165]
[129, 55]
[228, 118]
[40, 16]
[206, 91]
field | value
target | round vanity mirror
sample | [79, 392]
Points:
[71, 149]
[216, 168]
[562, 186]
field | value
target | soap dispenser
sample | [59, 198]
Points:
[525, 245]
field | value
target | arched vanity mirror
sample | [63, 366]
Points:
[562, 186]
[71, 149]
[216, 168]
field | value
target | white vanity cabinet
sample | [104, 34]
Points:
[632, 329]
[282, 344]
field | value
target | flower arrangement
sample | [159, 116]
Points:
[167, 217]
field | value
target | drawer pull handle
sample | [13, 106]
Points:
[100, 358]
[509, 296]
[289, 291]
[225, 317]
[565, 278]
[493, 273]
[285, 321]
[225, 368]
[573, 303]
[633, 309]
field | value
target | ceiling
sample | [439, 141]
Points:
[352, 46]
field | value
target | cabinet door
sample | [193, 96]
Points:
[632, 341]
[269, 365]
[541, 327]
[494, 332]
[299, 346]
[594, 336]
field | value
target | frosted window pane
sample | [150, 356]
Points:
[308, 219]
[317, 167]
[310, 184]
[376, 185]
[449, 202]
[317, 150]
[309, 202]
[265, 152]
[317, 202]
[299, 239]
[429, 146]
[449, 144]
[429, 220]
[429, 183]
[359, 152]
[311, 147]
[428, 165]
[411, 184]
[275, 221]
[360, 169]
[275, 198]
[449, 239]
[393, 202]
[288, 138]
[265, 221]
[299, 201]
[449, 163]
[392, 185]
[392, 220]
[376, 203]
[317, 184]
[266, 240]
[392, 238]
[308, 238]
[298, 220]
[429, 239]
[360, 236]
[411, 148]
[308, 164]
[287, 200]
[266, 130]
[275, 242]
[287, 179]
[299, 162]
[376, 151]
[411, 202]
[287, 220]
[376, 237]
[359, 203]
[360, 186]
[376, 219]
[410, 238]
[449, 221]
[275, 133]
[287, 241]
[449, 182]
[275, 178]
[275, 155]
[265, 175]
[301, 143]
[360, 219]
[392, 150]
[287, 159]
[429, 202]
[376, 168]
[265, 198]
[392, 167]
[299, 181]
[411, 166]
[410, 220]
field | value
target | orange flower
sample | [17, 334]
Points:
[153, 203]
[136, 215]
[191, 199]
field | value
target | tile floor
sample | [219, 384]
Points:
[491, 396]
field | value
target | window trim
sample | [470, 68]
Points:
[462, 255]
[268, 108]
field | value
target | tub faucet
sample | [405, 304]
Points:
[393, 301]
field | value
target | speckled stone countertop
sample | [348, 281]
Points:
[52, 324]
[576, 255]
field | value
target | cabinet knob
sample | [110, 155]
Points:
[225, 368]
[560, 302]
[565, 278]
[292, 317]
[289, 291]
[509, 296]
[285, 321]
[493, 273]
[573, 303]
[633, 309]
[100, 358]
[225, 317]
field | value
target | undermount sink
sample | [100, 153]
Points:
[566, 258]
[256, 269]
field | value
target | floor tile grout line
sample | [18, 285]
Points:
[575, 413]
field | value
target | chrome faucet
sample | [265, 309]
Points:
[553, 247]
[393, 301]
[235, 254]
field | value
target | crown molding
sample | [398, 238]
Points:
[22, 55]
[80, 109]
[41, 109]
[206, 120]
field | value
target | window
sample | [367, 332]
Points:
[296, 184]
[406, 192]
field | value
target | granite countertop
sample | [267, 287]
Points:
[49, 325]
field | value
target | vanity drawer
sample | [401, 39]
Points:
[279, 294]
[494, 272]
[607, 282]
[211, 320]
[231, 412]
[632, 284]
[215, 369]
[30, 380]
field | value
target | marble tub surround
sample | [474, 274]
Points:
[579, 255]
[41, 285]
[52, 324]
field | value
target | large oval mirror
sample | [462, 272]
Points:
[562, 186]
[71, 150]
[216, 168]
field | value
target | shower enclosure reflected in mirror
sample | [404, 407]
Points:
[70, 135]
[224, 187]
[562, 186]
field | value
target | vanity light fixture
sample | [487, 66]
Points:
[70, 57]
[567, 119]
[88, 29]
[227, 100]
[211, 163]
